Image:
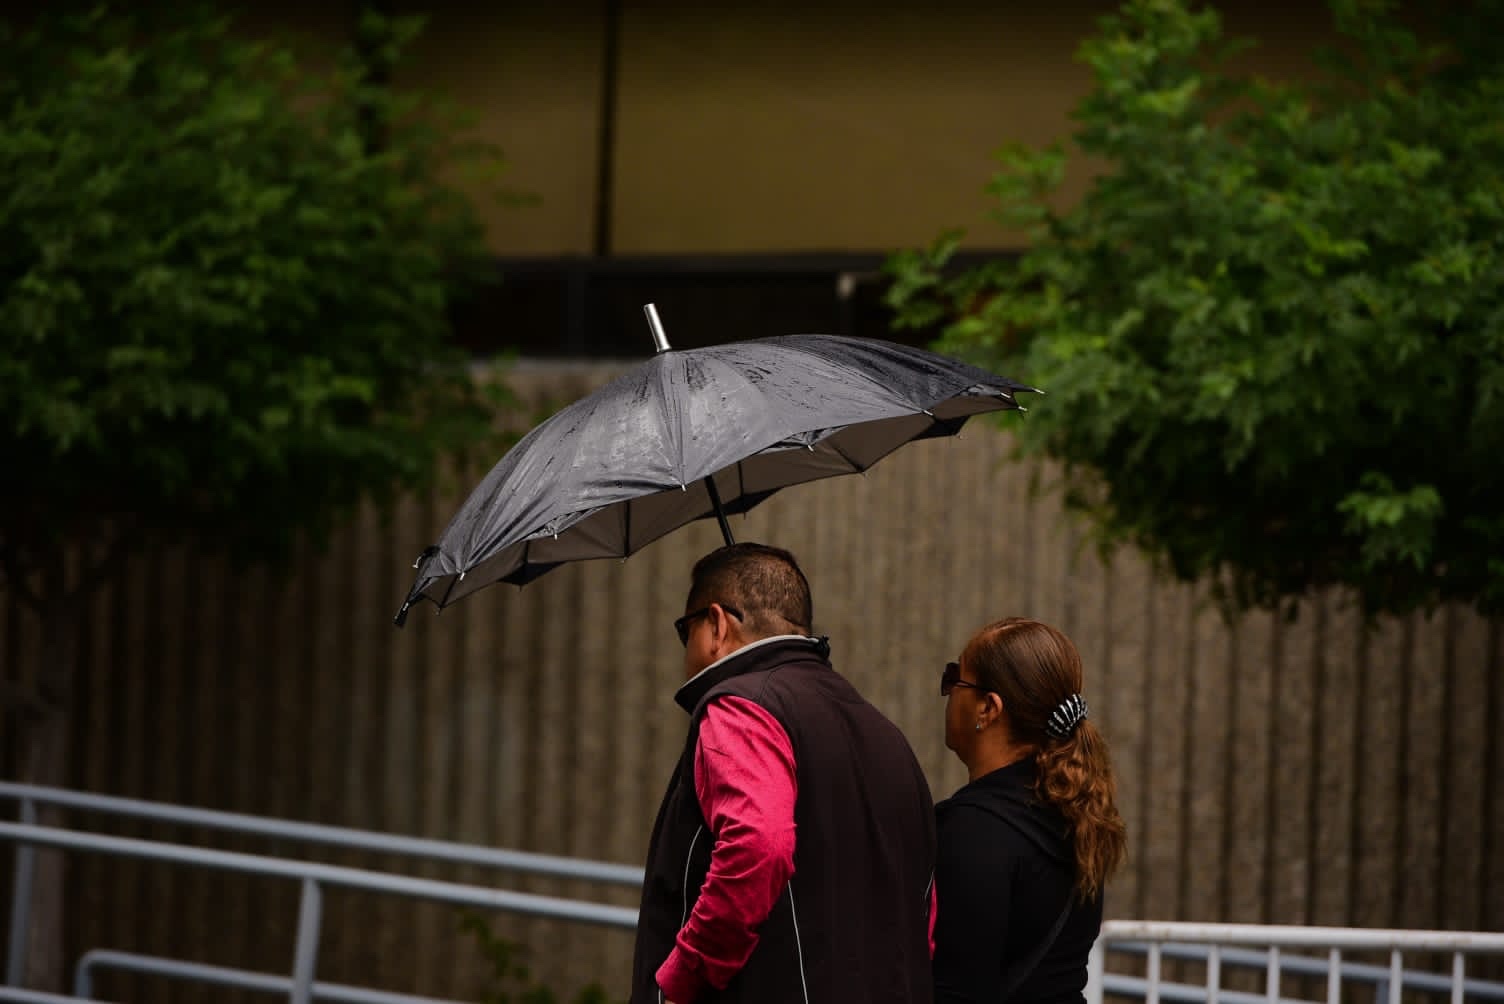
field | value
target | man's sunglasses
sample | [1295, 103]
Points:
[950, 679]
[682, 624]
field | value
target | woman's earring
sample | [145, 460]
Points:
[979, 726]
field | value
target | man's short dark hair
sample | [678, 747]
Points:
[764, 583]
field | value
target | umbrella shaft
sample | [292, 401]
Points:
[720, 515]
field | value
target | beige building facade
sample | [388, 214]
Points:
[777, 127]
[748, 166]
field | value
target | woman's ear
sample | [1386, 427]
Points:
[994, 705]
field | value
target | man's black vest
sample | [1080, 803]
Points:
[852, 925]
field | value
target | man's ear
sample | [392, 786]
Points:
[720, 622]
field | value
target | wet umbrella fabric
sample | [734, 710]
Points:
[691, 434]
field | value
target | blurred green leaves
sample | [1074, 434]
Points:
[509, 980]
[226, 272]
[1272, 331]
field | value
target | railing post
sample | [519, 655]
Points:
[83, 977]
[306, 957]
[1096, 971]
[20, 901]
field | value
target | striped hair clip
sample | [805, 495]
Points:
[1064, 720]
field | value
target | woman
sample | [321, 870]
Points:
[1026, 847]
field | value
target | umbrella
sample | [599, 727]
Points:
[691, 434]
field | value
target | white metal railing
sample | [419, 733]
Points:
[221, 976]
[300, 987]
[28, 795]
[313, 877]
[1263, 947]
[1276, 951]
[17, 995]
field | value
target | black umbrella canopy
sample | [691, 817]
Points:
[692, 434]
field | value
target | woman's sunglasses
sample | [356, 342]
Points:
[950, 679]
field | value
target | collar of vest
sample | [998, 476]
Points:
[761, 654]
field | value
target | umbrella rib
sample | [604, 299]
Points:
[855, 466]
[453, 580]
[626, 528]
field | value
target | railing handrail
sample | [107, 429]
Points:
[1118, 984]
[224, 976]
[1308, 965]
[333, 836]
[338, 875]
[20, 995]
[1347, 938]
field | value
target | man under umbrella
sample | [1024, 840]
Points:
[792, 858]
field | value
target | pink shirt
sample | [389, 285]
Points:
[746, 784]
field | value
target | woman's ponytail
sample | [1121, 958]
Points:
[1075, 775]
[1036, 670]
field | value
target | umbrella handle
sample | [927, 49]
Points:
[720, 514]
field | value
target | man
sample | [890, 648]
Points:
[793, 855]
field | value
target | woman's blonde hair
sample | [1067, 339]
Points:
[1036, 669]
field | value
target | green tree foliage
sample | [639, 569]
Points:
[223, 306]
[1272, 332]
[226, 274]
[509, 980]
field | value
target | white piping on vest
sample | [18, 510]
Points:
[684, 910]
[798, 942]
[684, 913]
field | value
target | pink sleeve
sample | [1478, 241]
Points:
[745, 782]
[934, 909]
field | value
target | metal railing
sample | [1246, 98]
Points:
[30, 796]
[1262, 948]
[19, 995]
[220, 976]
[300, 986]
[1214, 945]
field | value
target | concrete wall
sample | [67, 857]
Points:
[1316, 771]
